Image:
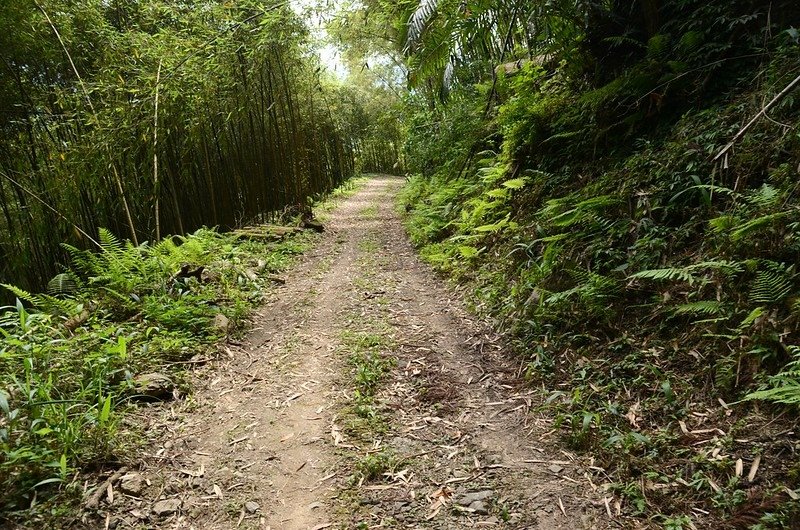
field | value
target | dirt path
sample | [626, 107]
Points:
[364, 397]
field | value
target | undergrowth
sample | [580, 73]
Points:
[654, 293]
[69, 358]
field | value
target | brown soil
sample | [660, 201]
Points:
[269, 439]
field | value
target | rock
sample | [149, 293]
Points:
[132, 484]
[221, 323]
[467, 499]
[276, 279]
[166, 507]
[153, 386]
[555, 468]
[479, 507]
[251, 507]
[314, 225]
[208, 276]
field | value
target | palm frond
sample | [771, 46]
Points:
[418, 22]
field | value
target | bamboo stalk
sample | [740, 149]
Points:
[156, 187]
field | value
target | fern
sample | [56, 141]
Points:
[773, 283]
[21, 294]
[515, 184]
[109, 241]
[583, 210]
[669, 274]
[62, 284]
[765, 197]
[83, 261]
[688, 274]
[593, 290]
[785, 386]
[45, 303]
[758, 224]
[703, 307]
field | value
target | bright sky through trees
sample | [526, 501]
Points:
[316, 13]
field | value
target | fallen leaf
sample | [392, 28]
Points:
[631, 415]
[336, 433]
[607, 502]
[754, 468]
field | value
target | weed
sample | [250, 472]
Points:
[372, 466]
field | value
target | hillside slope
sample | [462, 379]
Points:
[649, 282]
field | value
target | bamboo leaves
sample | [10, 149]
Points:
[193, 119]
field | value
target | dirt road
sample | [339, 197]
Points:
[363, 397]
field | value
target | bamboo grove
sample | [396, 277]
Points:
[156, 117]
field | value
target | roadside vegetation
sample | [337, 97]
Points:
[588, 173]
[116, 331]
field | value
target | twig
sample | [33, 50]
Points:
[791, 86]
[94, 500]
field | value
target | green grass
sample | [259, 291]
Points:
[372, 466]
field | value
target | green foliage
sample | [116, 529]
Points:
[175, 116]
[783, 387]
[688, 274]
[67, 365]
[638, 278]
[772, 284]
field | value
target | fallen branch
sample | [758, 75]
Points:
[94, 500]
[791, 86]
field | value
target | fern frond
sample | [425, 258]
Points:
[21, 294]
[61, 284]
[728, 268]
[703, 307]
[560, 296]
[668, 274]
[754, 225]
[688, 274]
[109, 241]
[83, 261]
[773, 283]
[57, 306]
[43, 302]
[785, 385]
[765, 197]
[787, 393]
